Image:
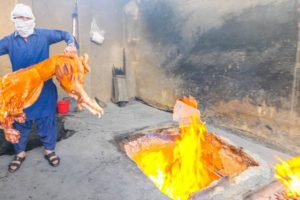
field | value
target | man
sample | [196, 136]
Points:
[25, 47]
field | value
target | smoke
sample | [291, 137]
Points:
[199, 16]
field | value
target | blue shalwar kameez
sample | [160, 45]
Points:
[23, 54]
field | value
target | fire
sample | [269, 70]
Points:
[288, 173]
[179, 170]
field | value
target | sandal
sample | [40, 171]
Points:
[52, 157]
[17, 164]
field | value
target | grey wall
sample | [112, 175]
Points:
[109, 17]
[236, 57]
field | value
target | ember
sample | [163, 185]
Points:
[288, 173]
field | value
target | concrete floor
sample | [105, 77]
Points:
[92, 167]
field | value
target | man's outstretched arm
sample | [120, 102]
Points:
[3, 46]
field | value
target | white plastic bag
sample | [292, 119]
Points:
[183, 112]
[96, 35]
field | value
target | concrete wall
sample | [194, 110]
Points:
[108, 15]
[236, 57]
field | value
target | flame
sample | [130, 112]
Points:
[190, 101]
[180, 170]
[288, 173]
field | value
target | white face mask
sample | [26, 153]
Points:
[24, 27]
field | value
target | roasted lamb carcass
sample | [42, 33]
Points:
[20, 89]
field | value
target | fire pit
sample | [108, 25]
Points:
[233, 172]
[188, 162]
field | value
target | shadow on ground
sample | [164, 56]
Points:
[6, 148]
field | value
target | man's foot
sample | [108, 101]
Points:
[52, 158]
[15, 164]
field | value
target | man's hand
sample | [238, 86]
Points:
[71, 48]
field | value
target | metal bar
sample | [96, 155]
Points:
[75, 22]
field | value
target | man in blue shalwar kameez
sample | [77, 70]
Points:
[28, 46]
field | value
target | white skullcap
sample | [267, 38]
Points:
[22, 10]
